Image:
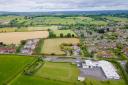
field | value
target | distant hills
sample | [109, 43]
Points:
[106, 12]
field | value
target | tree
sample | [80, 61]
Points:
[61, 35]
[69, 35]
[101, 31]
[23, 42]
[13, 23]
[73, 35]
[82, 35]
[1, 43]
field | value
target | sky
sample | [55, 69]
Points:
[62, 5]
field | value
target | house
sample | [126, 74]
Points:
[4, 50]
[29, 46]
[76, 50]
[26, 51]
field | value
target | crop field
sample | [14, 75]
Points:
[51, 74]
[3, 30]
[10, 65]
[64, 32]
[52, 46]
[16, 37]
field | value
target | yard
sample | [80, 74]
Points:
[52, 46]
[16, 37]
[10, 65]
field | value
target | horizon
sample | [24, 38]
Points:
[61, 5]
[65, 11]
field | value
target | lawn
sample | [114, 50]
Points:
[11, 65]
[64, 32]
[52, 46]
[16, 37]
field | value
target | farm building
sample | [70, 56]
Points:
[107, 68]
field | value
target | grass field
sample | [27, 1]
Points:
[52, 46]
[47, 21]
[11, 64]
[16, 37]
[39, 21]
[43, 28]
[51, 74]
[59, 71]
[109, 82]
[32, 80]
[117, 19]
[7, 19]
[64, 32]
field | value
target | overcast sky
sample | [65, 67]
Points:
[62, 5]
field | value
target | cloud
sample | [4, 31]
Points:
[54, 5]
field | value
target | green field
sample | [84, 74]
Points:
[10, 65]
[52, 46]
[117, 19]
[64, 32]
[44, 20]
[32, 80]
[51, 74]
[8, 17]
[39, 28]
[25, 29]
[109, 82]
[66, 21]
[59, 71]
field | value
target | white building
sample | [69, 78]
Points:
[108, 69]
[81, 78]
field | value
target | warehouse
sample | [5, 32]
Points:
[108, 69]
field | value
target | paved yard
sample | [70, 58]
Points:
[92, 72]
